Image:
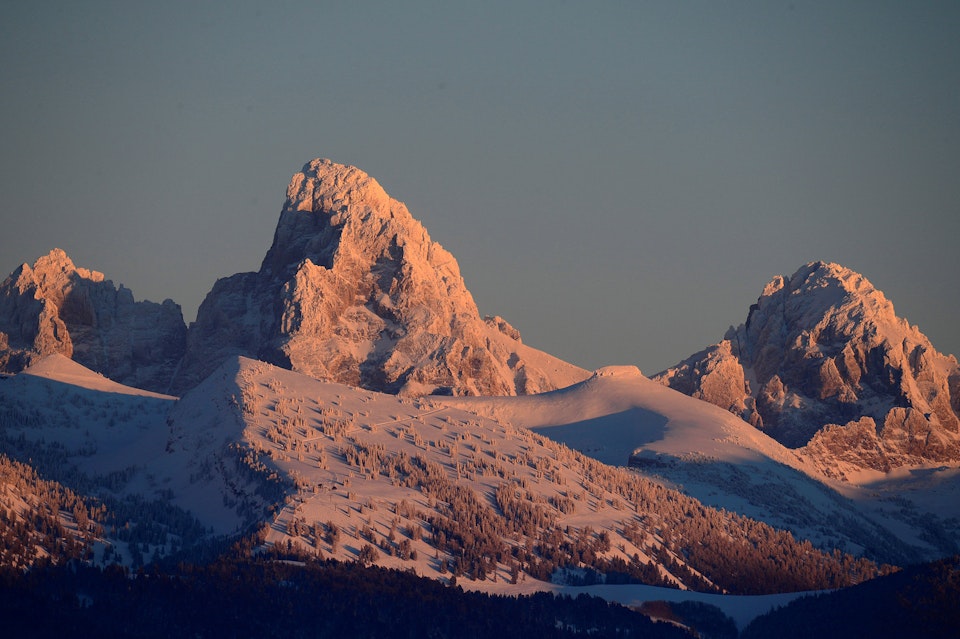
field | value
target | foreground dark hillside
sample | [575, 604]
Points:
[921, 601]
[271, 598]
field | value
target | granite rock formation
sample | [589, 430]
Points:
[353, 290]
[56, 307]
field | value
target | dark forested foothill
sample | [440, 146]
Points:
[267, 597]
[918, 602]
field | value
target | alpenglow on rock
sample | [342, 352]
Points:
[353, 290]
[55, 307]
[823, 361]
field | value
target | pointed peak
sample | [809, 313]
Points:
[57, 262]
[324, 199]
[819, 290]
[814, 271]
[829, 276]
[810, 275]
[57, 258]
[324, 185]
[353, 289]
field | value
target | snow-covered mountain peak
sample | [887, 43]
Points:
[324, 185]
[51, 270]
[825, 279]
[52, 275]
[353, 290]
[826, 347]
[324, 201]
[822, 291]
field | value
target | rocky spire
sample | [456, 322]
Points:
[354, 290]
[826, 347]
[56, 307]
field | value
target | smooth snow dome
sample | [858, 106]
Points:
[618, 411]
[63, 369]
[617, 181]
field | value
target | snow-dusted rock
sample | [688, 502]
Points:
[56, 307]
[353, 290]
[825, 347]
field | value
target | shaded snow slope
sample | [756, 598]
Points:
[618, 411]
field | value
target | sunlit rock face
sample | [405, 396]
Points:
[354, 290]
[824, 347]
[56, 307]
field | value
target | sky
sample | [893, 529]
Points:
[618, 180]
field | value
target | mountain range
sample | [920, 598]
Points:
[352, 290]
[348, 401]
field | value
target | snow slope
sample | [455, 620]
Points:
[304, 428]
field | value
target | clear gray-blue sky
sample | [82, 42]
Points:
[617, 179]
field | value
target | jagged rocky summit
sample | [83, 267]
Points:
[823, 362]
[56, 307]
[353, 290]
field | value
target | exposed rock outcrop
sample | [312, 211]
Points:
[353, 290]
[825, 347]
[55, 307]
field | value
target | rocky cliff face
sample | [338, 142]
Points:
[55, 307]
[353, 290]
[824, 361]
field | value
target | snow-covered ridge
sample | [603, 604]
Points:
[618, 412]
[60, 368]
[617, 371]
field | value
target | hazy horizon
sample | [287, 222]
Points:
[617, 180]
